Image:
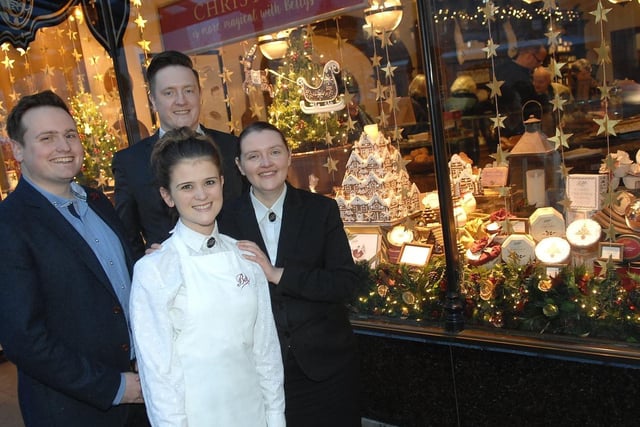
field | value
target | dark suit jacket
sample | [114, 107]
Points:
[137, 198]
[60, 321]
[319, 278]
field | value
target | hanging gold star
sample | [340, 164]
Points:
[495, 87]
[94, 60]
[59, 32]
[552, 37]
[397, 136]
[604, 91]
[383, 119]
[347, 97]
[378, 90]
[77, 55]
[8, 63]
[610, 232]
[145, 45]
[72, 35]
[558, 102]
[564, 170]
[2, 106]
[500, 156]
[12, 78]
[62, 51]
[375, 60]
[232, 126]
[606, 125]
[48, 70]
[385, 39]
[230, 101]
[603, 53]
[328, 139]
[102, 181]
[226, 75]
[140, 22]
[136, 3]
[350, 124]
[14, 96]
[498, 122]
[392, 101]
[489, 11]
[99, 77]
[22, 51]
[388, 69]
[256, 110]
[491, 48]
[5, 47]
[565, 203]
[331, 165]
[556, 67]
[561, 139]
[600, 13]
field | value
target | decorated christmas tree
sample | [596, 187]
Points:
[304, 132]
[97, 139]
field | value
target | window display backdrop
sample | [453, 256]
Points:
[488, 268]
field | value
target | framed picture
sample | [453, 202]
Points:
[607, 250]
[552, 270]
[365, 244]
[415, 254]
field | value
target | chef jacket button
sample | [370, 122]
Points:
[117, 309]
[125, 347]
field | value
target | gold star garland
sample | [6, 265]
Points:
[606, 125]
[385, 90]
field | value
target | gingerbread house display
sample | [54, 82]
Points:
[376, 186]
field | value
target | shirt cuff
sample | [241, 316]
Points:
[120, 393]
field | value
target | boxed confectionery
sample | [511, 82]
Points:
[586, 190]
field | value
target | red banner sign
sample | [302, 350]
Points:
[189, 25]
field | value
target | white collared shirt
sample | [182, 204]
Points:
[270, 230]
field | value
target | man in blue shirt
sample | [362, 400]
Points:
[66, 271]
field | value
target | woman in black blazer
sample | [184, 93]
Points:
[301, 245]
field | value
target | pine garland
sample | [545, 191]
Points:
[511, 296]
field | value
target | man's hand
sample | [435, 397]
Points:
[132, 389]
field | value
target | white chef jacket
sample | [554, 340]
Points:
[207, 346]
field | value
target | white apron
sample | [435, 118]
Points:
[216, 342]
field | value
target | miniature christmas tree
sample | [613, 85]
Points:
[97, 139]
[304, 132]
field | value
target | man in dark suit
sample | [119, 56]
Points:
[65, 272]
[175, 94]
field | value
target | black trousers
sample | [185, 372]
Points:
[334, 402]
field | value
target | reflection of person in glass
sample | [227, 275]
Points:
[302, 247]
[517, 89]
[208, 350]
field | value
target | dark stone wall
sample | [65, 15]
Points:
[409, 383]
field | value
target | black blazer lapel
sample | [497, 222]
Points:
[292, 220]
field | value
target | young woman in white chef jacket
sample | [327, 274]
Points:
[206, 343]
